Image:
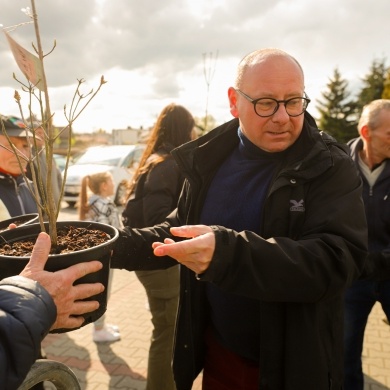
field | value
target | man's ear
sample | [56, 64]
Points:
[232, 94]
[365, 133]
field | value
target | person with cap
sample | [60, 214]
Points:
[14, 192]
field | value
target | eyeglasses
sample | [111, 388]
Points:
[265, 107]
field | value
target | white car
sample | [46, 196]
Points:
[120, 160]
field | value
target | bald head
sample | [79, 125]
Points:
[371, 113]
[275, 75]
[257, 57]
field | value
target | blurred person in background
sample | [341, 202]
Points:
[154, 192]
[99, 207]
[371, 153]
[14, 192]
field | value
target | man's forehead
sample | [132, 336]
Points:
[4, 139]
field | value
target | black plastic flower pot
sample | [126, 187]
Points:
[13, 265]
[19, 220]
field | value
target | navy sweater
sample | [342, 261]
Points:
[235, 200]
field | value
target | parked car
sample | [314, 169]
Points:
[120, 160]
[60, 161]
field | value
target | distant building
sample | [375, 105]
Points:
[127, 136]
[80, 141]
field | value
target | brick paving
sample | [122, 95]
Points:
[123, 365]
[376, 352]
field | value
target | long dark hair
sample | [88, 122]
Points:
[173, 128]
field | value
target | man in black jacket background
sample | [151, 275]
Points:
[371, 153]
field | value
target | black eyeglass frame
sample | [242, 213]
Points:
[254, 102]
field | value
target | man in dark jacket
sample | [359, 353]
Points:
[33, 303]
[274, 232]
[14, 192]
[371, 153]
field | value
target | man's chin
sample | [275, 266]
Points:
[276, 147]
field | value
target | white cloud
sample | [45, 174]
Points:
[151, 52]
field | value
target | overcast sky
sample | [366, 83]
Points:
[151, 52]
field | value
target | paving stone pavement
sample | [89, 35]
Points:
[376, 351]
[123, 365]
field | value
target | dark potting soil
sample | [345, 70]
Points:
[70, 239]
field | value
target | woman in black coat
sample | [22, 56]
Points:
[154, 193]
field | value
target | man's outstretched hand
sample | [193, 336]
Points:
[195, 253]
[59, 284]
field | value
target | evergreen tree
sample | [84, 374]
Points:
[386, 86]
[337, 113]
[373, 84]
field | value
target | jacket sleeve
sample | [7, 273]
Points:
[161, 192]
[321, 262]
[377, 266]
[133, 250]
[26, 314]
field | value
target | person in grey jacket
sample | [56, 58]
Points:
[269, 230]
[35, 302]
[371, 153]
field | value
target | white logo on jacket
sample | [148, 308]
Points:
[297, 205]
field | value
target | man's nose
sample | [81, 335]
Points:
[281, 114]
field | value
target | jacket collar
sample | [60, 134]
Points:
[195, 155]
[355, 146]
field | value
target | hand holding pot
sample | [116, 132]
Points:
[59, 284]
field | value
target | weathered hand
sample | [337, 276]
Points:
[59, 284]
[195, 253]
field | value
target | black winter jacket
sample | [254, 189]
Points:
[377, 204]
[16, 196]
[312, 245]
[26, 314]
[156, 193]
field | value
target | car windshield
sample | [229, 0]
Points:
[100, 156]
